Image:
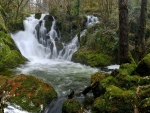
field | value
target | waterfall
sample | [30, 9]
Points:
[36, 42]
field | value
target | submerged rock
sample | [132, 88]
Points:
[28, 92]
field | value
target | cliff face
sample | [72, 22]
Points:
[9, 54]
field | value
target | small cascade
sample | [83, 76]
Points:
[37, 42]
[91, 20]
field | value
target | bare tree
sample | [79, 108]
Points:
[20, 6]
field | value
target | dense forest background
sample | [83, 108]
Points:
[70, 15]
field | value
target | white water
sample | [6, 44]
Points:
[50, 65]
[13, 109]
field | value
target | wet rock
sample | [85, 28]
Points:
[38, 15]
[59, 46]
[48, 21]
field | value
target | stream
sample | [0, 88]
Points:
[51, 65]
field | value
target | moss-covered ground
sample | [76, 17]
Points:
[125, 90]
[27, 91]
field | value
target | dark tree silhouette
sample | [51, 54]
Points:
[123, 31]
[140, 46]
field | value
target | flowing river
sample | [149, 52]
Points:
[51, 65]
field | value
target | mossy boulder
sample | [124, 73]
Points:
[143, 68]
[115, 100]
[99, 83]
[71, 106]
[28, 92]
[93, 59]
[124, 90]
[9, 54]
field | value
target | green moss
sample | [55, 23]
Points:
[115, 100]
[99, 105]
[12, 59]
[2, 23]
[31, 93]
[9, 54]
[71, 106]
[143, 68]
[92, 59]
[107, 81]
[127, 68]
[144, 106]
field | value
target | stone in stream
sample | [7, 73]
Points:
[70, 96]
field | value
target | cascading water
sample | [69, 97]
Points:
[38, 44]
[41, 44]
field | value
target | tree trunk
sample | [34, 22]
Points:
[123, 31]
[140, 46]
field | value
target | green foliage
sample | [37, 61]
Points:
[76, 8]
[101, 38]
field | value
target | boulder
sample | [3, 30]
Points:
[27, 91]
[38, 15]
[97, 84]
[115, 100]
[9, 54]
[71, 106]
[48, 21]
[93, 59]
[143, 68]
[59, 46]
